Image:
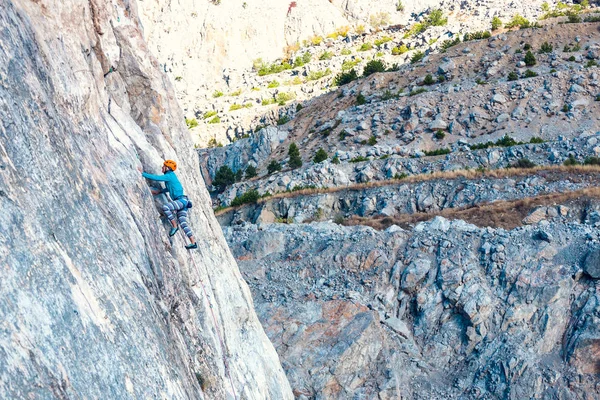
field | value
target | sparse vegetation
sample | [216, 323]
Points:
[250, 197]
[365, 47]
[359, 159]
[250, 172]
[530, 59]
[284, 119]
[273, 167]
[344, 78]
[209, 114]
[446, 44]
[284, 97]
[273, 84]
[477, 36]
[571, 161]
[505, 141]
[439, 135]
[518, 21]
[217, 93]
[374, 66]
[294, 154]
[546, 48]
[215, 120]
[417, 91]
[372, 141]
[496, 23]
[320, 156]
[530, 74]
[437, 152]
[416, 57]
[223, 178]
[191, 122]
[396, 51]
[383, 40]
[347, 65]
[360, 99]
[326, 55]
[523, 163]
[316, 75]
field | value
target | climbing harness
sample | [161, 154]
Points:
[221, 343]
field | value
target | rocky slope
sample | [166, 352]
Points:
[95, 301]
[208, 48]
[445, 310]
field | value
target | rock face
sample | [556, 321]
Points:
[446, 310]
[95, 302]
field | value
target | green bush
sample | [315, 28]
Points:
[505, 141]
[396, 51]
[294, 154]
[284, 97]
[284, 119]
[591, 63]
[571, 161]
[267, 102]
[527, 47]
[320, 156]
[401, 176]
[360, 99]
[346, 52]
[275, 68]
[537, 140]
[365, 47]
[327, 55]
[592, 161]
[209, 114]
[416, 57]
[316, 75]
[530, 59]
[273, 166]
[429, 80]
[302, 60]
[573, 17]
[446, 44]
[477, 36]
[439, 135]
[546, 48]
[250, 197]
[251, 172]
[191, 123]
[496, 23]
[523, 163]
[273, 84]
[572, 59]
[374, 66]
[344, 78]
[383, 40]
[530, 74]
[335, 160]
[223, 178]
[417, 91]
[359, 159]
[518, 21]
[217, 93]
[235, 107]
[215, 120]
[372, 141]
[347, 65]
[438, 152]
[436, 18]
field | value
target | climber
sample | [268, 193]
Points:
[177, 208]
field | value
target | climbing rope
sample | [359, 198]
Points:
[225, 363]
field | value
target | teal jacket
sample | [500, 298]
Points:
[171, 181]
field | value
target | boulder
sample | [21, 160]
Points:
[591, 266]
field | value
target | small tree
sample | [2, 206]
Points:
[294, 153]
[530, 59]
[546, 48]
[429, 80]
[251, 172]
[320, 156]
[374, 66]
[345, 77]
[223, 178]
[273, 166]
[496, 23]
[360, 99]
[513, 76]
[239, 175]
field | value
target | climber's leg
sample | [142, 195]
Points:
[170, 209]
[183, 222]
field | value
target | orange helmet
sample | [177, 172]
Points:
[170, 164]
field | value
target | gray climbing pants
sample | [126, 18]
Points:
[178, 209]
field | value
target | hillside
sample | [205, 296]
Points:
[440, 238]
[95, 301]
[208, 49]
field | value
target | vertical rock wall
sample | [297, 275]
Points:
[95, 302]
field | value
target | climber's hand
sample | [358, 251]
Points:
[139, 168]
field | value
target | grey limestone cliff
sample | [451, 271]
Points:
[95, 302]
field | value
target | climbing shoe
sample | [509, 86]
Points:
[173, 231]
[192, 246]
